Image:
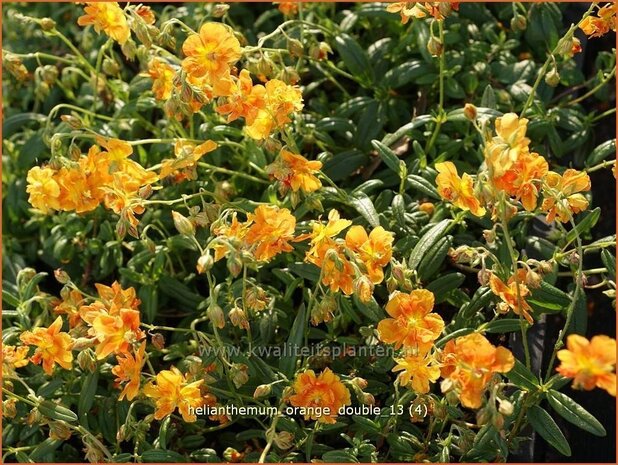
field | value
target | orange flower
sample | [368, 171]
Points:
[322, 235]
[417, 371]
[211, 53]
[71, 302]
[510, 142]
[114, 297]
[296, 172]
[187, 156]
[129, 370]
[470, 362]
[115, 330]
[162, 76]
[245, 99]
[173, 391]
[508, 293]
[421, 10]
[325, 392]
[53, 346]
[281, 100]
[107, 17]
[271, 228]
[288, 8]
[43, 189]
[374, 250]
[522, 179]
[12, 358]
[337, 271]
[590, 363]
[596, 26]
[458, 191]
[231, 235]
[562, 194]
[413, 324]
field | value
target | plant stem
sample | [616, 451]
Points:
[576, 294]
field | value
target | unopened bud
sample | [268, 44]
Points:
[533, 279]
[205, 263]
[240, 374]
[158, 341]
[552, 78]
[47, 24]
[295, 47]
[86, 360]
[368, 399]
[232, 455]
[427, 207]
[434, 46]
[59, 430]
[490, 236]
[220, 10]
[183, 224]
[483, 277]
[262, 391]
[238, 318]
[284, 440]
[360, 383]
[363, 288]
[470, 111]
[73, 121]
[519, 23]
[61, 276]
[505, 407]
[9, 409]
[215, 313]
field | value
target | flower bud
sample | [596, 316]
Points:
[483, 277]
[434, 46]
[61, 276]
[9, 409]
[295, 47]
[232, 455]
[215, 313]
[220, 10]
[552, 78]
[533, 279]
[158, 341]
[238, 318]
[110, 67]
[490, 236]
[129, 48]
[323, 311]
[363, 288]
[505, 407]
[284, 440]
[519, 23]
[205, 263]
[360, 383]
[262, 391]
[234, 264]
[59, 430]
[368, 399]
[427, 207]
[470, 111]
[289, 75]
[240, 374]
[47, 24]
[183, 224]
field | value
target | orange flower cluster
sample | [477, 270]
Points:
[207, 72]
[12, 358]
[295, 172]
[591, 363]
[266, 233]
[414, 327]
[320, 396]
[107, 177]
[356, 262]
[597, 26]
[183, 167]
[420, 10]
[513, 170]
[468, 365]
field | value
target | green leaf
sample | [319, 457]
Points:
[585, 224]
[444, 284]
[338, 456]
[547, 428]
[610, 263]
[548, 298]
[162, 456]
[406, 129]
[288, 364]
[343, 164]
[354, 57]
[420, 184]
[388, 156]
[44, 449]
[86, 397]
[405, 73]
[488, 100]
[522, 377]
[460, 332]
[429, 239]
[363, 205]
[505, 325]
[574, 413]
[601, 152]
[150, 301]
[433, 259]
[55, 411]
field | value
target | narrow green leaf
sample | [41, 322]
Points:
[522, 377]
[601, 152]
[55, 411]
[429, 239]
[423, 186]
[544, 424]
[575, 413]
[295, 339]
[388, 156]
[363, 205]
[86, 398]
[505, 325]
